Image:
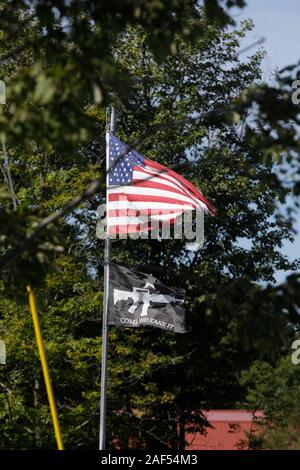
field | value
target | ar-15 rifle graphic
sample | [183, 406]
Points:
[143, 296]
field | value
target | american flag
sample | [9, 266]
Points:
[142, 192]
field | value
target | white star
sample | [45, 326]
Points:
[150, 281]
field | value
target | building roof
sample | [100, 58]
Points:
[228, 430]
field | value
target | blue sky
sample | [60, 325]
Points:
[278, 22]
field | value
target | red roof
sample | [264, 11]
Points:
[227, 431]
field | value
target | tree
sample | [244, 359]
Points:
[60, 54]
[275, 388]
[225, 306]
[158, 382]
[69, 307]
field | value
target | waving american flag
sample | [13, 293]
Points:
[141, 191]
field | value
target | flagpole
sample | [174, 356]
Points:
[110, 127]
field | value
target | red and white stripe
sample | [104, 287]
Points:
[156, 194]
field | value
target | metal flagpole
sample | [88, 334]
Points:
[110, 127]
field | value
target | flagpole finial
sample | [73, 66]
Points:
[107, 119]
[110, 119]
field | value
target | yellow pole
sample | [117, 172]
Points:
[40, 344]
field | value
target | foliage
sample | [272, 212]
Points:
[275, 388]
[69, 308]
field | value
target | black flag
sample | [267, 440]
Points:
[137, 299]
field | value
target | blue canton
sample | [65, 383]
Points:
[121, 173]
